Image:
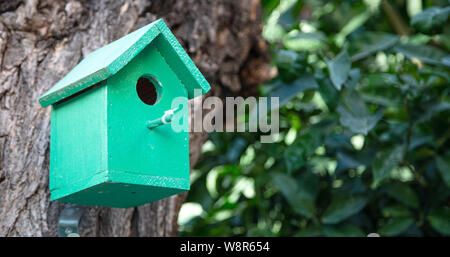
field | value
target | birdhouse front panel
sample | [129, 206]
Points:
[132, 147]
[111, 144]
[154, 157]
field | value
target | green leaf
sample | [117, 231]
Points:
[299, 41]
[335, 142]
[381, 79]
[354, 23]
[339, 68]
[396, 211]
[445, 38]
[352, 186]
[329, 93]
[443, 165]
[297, 153]
[404, 194]
[425, 53]
[395, 226]
[303, 206]
[269, 5]
[347, 161]
[235, 149]
[342, 207]
[290, 65]
[359, 124]
[430, 19]
[387, 96]
[300, 203]
[382, 89]
[294, 157]
[353, 78]
[432, 109]
[286, 92]
[385, 161]
[418, 139]
[286, 58]
[344, 230]
[290, 62]
[290, 17]
[369, 43]
[440, 220]
[309, 231]
[354, 115]
[308, 184]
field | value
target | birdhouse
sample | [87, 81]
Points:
[111, 144]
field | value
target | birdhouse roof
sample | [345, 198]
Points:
[108, 60]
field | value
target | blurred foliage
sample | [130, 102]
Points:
[364, 142]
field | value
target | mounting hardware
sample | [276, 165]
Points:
[165, 119]
[68, 221]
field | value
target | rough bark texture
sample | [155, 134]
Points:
[41, 40]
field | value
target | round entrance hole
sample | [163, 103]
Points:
[148, 89]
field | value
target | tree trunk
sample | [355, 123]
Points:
[41, 40]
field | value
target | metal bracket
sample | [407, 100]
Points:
[68, 221]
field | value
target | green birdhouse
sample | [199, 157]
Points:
[111, 144]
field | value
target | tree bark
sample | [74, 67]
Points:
[41, 40]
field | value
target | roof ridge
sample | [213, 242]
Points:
[109, 59]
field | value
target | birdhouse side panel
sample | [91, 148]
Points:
[78, 149]
[160, 156]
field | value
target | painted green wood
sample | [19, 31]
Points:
[132, 147]
[120, 195]
[78, 142]
[102, 151]
[180, 62]
[108, 60]
[141, 165]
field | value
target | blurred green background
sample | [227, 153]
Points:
[364, 129]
